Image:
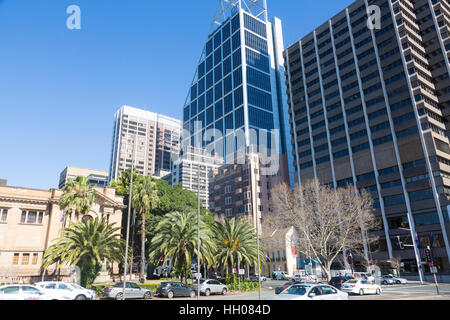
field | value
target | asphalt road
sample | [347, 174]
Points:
[411, 291]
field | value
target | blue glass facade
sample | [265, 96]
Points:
[236, 90]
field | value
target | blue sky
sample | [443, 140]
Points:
[60, 88]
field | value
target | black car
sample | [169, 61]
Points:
[338, 281]
[278, 290]
[175, 289]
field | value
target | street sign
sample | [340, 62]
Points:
[434, 270]
[241, 272]
[234, 270]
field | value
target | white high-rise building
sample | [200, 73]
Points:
[147, 138]
[191, 170]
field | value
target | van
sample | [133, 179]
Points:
[280, 275]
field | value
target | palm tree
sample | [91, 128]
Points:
[86, 244]
[236, 240]
[144, 200]
[78, 194]
[176, 236]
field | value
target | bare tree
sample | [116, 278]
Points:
[325, 220]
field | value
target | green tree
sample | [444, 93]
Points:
[176, 237]
[86, 244]
[235, 239]
[77, 195]
[144, 199]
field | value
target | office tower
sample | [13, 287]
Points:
[241, 190]
[96, 177]
[369, 106]
[3, 182]
[237, 98]
[191, 170]
[157, 137]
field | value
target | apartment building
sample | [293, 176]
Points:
[369, 106]
[148, 139]
[96, 177]
[242, 189]
[191, 170]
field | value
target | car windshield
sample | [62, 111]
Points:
[76, 286]
[296, 290]
[352, 281]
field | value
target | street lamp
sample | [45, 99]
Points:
[128, 218]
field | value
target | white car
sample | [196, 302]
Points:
[310, 292]
[390, 279]
[361, 287]
[72, 290]
[27, 292]
[255, 277]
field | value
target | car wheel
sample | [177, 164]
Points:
[170, 294]
[398, 282]
[378, 291]
[384, 282]
[147, 295]
[207, 292]
[192, 294]
[224, 291]
[80, 297]
[361, 292]
[119, 296]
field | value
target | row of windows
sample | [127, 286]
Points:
[25, 258]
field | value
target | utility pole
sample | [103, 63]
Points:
[259, 262]
[128, 218]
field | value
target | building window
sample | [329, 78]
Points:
[32, 217]
[16, 258]
[228, 212]
[228, 201]
[35, 258]
[4, 215]
[227, 189]
[247, 195]
[25, 258]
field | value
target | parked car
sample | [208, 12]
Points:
[361, 287]
[280, 275]
[132, 291]
[337, 282]
[255, 277]
[387, 279]
[72, 290]
[27, 292]
[175, 289]
[310, 292]
[211, 286]
[280, 289]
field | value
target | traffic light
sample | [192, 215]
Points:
[428, 255]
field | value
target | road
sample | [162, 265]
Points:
[412, 291]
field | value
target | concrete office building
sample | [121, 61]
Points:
[96, 177]
[370, 107]
[147, 138]
[3, 182]
[237, 98]
[186, 172]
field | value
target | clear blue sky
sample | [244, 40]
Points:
[60, 88]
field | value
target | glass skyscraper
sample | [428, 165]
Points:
[238, 98]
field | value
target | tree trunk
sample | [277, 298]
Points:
[142, 273]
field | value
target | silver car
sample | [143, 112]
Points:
[132, 291]
[211, 286]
